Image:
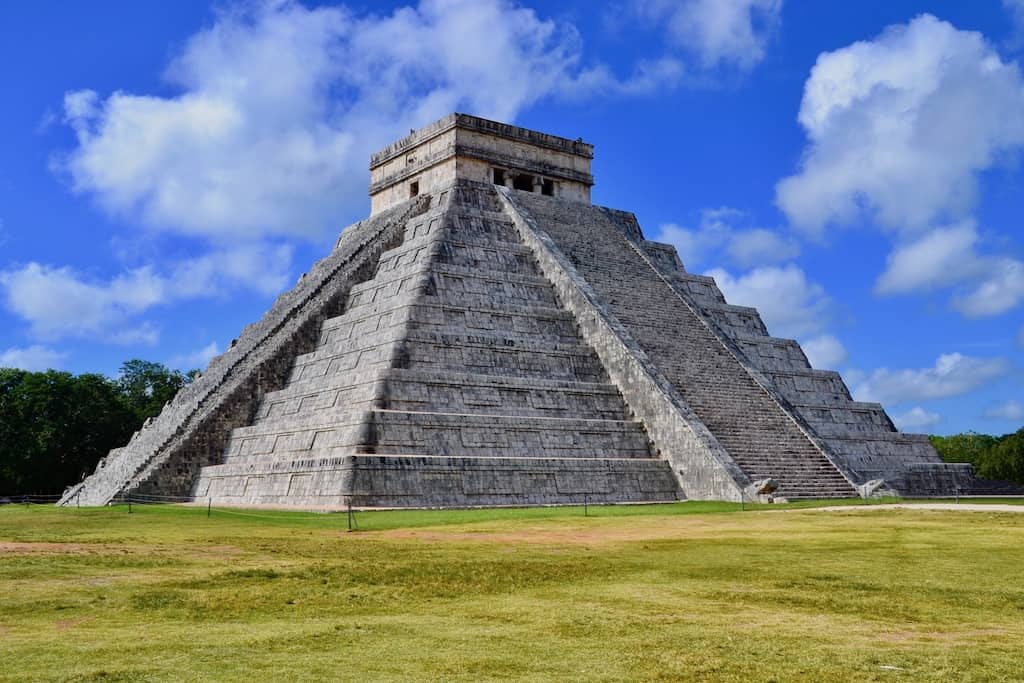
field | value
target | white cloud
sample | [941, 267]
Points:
[33, 358]
[916, 418]
[721, 237]
[199, 358]
[1001, 290]
[947, 257]
[760, 246]
[279, 107]
[952, 375]
[144, 333]
[940, 258]
[900, 127]
[1011, 410]
[790, 304]
[260, 267]
[59, 302]
[824, 352]
[696, 245]
[717, 31]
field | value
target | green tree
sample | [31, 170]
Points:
[55, 426]
[1006, 459]
[967, 447]
[147, 386]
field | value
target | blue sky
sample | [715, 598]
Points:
[852, 169]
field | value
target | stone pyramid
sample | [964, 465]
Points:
[489, 337]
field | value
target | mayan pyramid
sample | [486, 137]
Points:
[489, 337]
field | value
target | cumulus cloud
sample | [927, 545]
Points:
[946, 257]
[59, 302]
[999, 291]
[790, 304]
[723, 234]
[824, 352]
[952, 375]
[942, 257]
[915, 419]
[1012, 411]
[199, 358]
[279, 106]
[750, 247]
[717, 32]
[885, 120]
[33, 358]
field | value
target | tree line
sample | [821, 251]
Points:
[55, 426]
[993, 457]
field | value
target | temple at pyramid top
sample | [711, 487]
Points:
[464, 147]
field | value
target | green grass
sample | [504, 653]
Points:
[696, 591]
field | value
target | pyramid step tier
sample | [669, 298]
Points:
[551, 323]
[483, 353]
[439, 434]
[496, 257]
[447, 284]
[425, 390]
[382, 480]
[417, 390]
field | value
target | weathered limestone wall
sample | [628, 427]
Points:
[430, 179]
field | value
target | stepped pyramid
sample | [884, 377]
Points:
[489, 337]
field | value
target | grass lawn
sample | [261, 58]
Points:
[673, 592]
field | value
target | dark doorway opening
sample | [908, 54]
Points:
[523, 182]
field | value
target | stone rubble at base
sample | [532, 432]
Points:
[489, 337]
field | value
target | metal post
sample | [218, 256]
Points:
[129, 503]
[350, 515]
[209, 503]
[586, 512]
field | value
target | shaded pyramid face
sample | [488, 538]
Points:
[489, 337]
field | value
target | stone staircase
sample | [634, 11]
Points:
[859, 437]
[452, 377]
[745, 419]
